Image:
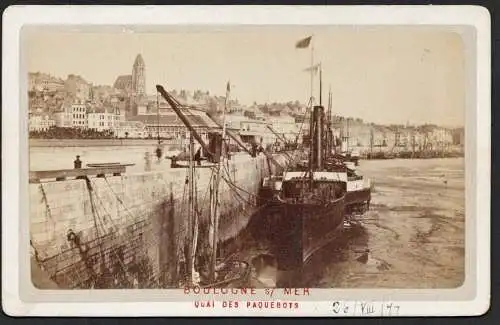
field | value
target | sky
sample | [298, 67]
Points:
[380, 74]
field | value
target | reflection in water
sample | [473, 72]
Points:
[265, 271]
[147, 163]
[352, 246]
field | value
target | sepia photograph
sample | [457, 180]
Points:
[222, 159]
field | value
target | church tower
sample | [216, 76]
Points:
[139, 76]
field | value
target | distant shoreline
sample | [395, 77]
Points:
[33, 143]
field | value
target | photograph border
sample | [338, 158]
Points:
[22, 299]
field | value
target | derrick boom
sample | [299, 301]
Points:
[176, 107]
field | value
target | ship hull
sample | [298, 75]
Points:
[297, 231]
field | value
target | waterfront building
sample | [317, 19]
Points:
[40, 122]
[142, 106]
[79, 116]
[458, 136]
[256, 131]
[153, 103]
[379, 136]
[130, 129]
[63, 119]
[171, 127]
[101, 121]
[359, 135]
[442, 136]
[286, 126]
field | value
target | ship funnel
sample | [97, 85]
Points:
[317, 132]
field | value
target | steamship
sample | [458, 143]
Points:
[311, 202]
[305, 205]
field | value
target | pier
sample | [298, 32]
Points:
[138, 216]
[99, 170]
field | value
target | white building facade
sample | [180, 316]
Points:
[285, 126]
[63, 119]
[103, 121]
[130, 129]
[40, 122]
[79, 116]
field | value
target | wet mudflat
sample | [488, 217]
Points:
[412, 237]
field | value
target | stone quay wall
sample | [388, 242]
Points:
[128, 231]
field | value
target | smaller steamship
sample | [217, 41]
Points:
[312, 201]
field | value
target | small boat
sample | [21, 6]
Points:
[357, 187]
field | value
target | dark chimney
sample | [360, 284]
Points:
[318, 128]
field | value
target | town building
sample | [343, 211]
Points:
[40, 122]
[133, 84]
[79, 116]
[458, 136]
[104, 95]
[285, 126]
[124, 83]
[101, 121]
[43, 82]
[251, 130]
[78, 88]
[63, 119]
[139, 76]
[130, 129]
[171, 127]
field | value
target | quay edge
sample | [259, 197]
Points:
[140, 224]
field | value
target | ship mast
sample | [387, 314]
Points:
[320, 84]
[192, 216]
[191, 213]
[371, 140]
[329, 135]
[320, 125]
[347, 135]
[311, 106]
[158, 116]
[215, 192]
[413, 143]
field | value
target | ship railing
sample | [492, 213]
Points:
[297, 201]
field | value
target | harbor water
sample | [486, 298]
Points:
[413, 235]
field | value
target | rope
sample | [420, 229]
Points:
[181, 231]
[93, 208]
[122, 263]
[35, 251]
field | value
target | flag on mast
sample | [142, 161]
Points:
[304, 43]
